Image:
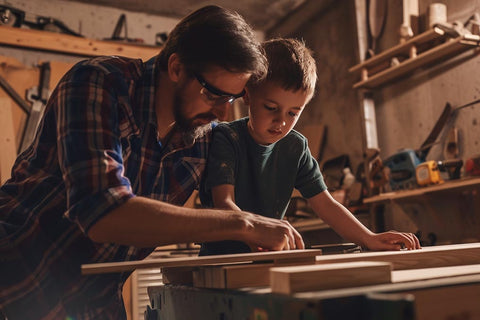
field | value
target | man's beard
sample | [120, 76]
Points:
[190, 126]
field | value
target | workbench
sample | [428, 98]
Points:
[437, 282]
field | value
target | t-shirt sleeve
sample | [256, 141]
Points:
[220, 164]
[90, 150]
[309, 178]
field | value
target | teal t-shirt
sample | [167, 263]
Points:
[264, 176]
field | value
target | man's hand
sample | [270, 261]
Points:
[393, 240]
[268, 234]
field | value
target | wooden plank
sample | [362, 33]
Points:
[8, 150]
[63, 43]
[434, 273]
[198, 261]
[288, 280]
[427, 257]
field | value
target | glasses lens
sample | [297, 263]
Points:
[214, 96]
[215, 100]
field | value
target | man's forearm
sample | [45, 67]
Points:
[144, 222]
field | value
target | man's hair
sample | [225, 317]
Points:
[215, 36]
[290, 65]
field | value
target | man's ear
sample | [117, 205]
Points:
[175, 67]
[246, 97]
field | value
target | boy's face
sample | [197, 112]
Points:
[273, 111]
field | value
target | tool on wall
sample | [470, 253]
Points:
[38, 96]
[122, 24]
[14, 17]
[376, 16]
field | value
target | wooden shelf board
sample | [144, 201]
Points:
[67, 44]
[427, 36]
[448, 48]
[449, 185]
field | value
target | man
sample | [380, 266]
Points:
[121, 147]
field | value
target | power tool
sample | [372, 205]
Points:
[472, 166]
[403, 164]
[428, 173]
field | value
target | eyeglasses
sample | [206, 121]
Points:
[215, 96]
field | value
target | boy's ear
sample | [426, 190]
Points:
[174, 67]
[246, 97]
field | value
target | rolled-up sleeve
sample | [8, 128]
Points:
[90, 149]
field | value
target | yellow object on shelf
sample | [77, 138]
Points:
[428, 173]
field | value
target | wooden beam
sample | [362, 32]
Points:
[63, 43]
[288, 280]
[291, 255]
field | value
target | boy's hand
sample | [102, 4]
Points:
[393, 240]
[271, 234]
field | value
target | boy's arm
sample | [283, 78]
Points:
[347, 226]
[223, 197]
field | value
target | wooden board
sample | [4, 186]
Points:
[63, 43]
[8, 150]
[287, 255]
[288, 280]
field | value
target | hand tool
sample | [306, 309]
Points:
[38, 96]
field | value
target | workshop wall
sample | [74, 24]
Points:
[407, 109]
[330, 33]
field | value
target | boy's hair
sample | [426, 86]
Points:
[290, 65]
[215, 36]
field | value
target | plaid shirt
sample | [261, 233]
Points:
[96, 148]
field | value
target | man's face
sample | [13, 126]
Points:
[205, 97]
[273, 111]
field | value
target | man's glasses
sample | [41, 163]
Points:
[215, 96]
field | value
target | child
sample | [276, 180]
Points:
[255, 162]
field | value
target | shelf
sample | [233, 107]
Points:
[67, 44]
[419, 51]
[449, 185]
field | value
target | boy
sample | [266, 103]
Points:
[255, 162]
